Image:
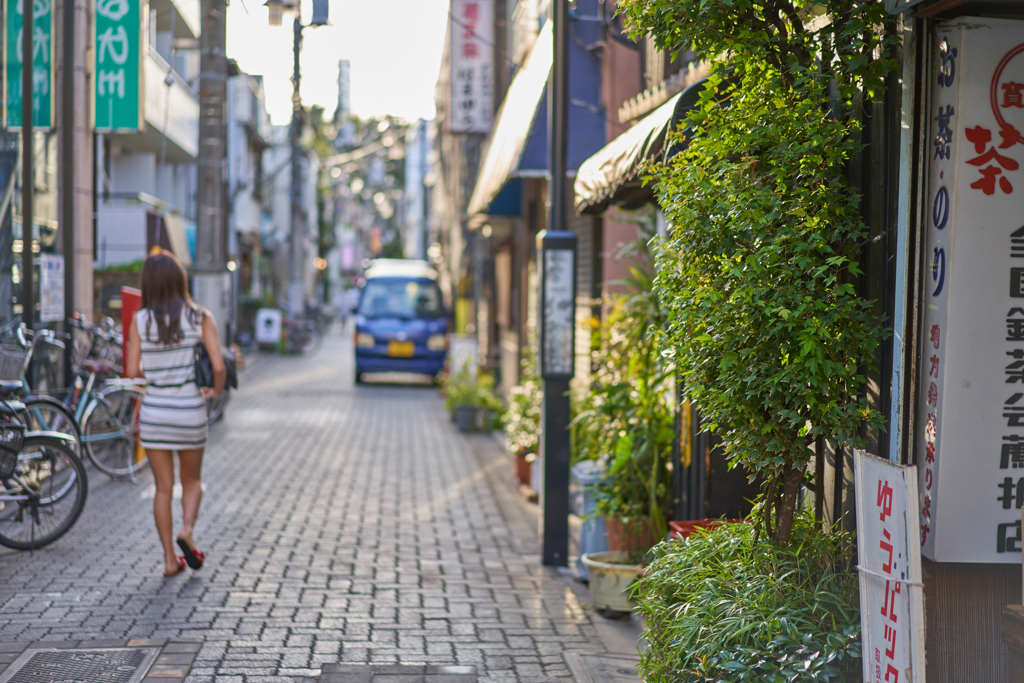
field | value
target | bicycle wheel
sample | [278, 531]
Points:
[110, 429]
[47, 414]
[44, 497]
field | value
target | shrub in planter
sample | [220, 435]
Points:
[469, 396]
[730, 604]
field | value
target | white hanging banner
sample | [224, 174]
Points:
[51, 288]
[970, 444]
[889, 552]
[471, 56]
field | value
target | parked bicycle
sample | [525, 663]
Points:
[43, 483]
[100, 410]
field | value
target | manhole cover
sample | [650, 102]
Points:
[111, 665]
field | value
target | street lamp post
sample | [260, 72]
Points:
[295, 233]
[556, 249]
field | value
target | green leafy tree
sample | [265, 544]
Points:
[758, 274]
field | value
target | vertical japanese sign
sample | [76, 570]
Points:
[118, 51]
[42, 63]
[472, 66]
[970, 441]
[891, 598]
[51, 287]
[557, 303]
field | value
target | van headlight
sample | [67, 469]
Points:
[437, 342]
[364, 340]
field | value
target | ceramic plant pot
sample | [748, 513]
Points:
[632, 536]
[523, 466]
[683, 528]
[611, 574]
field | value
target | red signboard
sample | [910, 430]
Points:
[131, 301]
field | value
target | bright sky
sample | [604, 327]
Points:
[394, 47]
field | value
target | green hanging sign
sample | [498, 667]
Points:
[117, 103]
[42, 63]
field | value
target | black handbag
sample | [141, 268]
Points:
[203, 367]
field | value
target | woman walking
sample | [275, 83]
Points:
[173, 413]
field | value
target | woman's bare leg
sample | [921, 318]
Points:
[190, 465]
[162, 465]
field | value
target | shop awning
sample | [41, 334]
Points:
[614, 174]
[513, 124]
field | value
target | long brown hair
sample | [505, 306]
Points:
[164, 295]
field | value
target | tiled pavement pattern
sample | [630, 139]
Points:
[342, 525]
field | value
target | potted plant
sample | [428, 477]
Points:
[727, 605]
[522, 418]
[627, 419]
[627, 416]
[470, 396]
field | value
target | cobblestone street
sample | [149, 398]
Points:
[343, 525]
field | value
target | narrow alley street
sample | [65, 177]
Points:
[343, 525]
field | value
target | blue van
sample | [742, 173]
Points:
[401, 324]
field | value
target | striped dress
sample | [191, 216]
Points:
[173, 412]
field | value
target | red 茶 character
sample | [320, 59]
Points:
[471, 11]
[980, 137]
[929, 452]
[934, 335]
[933, 366]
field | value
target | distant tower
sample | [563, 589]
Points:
[344, 91]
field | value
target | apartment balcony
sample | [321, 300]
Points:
[180, 17]
[171, 129]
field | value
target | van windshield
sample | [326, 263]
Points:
[400, 298]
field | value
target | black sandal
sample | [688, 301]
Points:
[193, 557]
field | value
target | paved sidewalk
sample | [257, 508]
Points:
[343, 526]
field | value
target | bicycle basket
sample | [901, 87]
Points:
[12, 438]
[12, 361]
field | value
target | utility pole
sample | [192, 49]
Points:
[296, 234]
[28, 307]
[209, 267]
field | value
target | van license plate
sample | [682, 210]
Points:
[401, 349]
